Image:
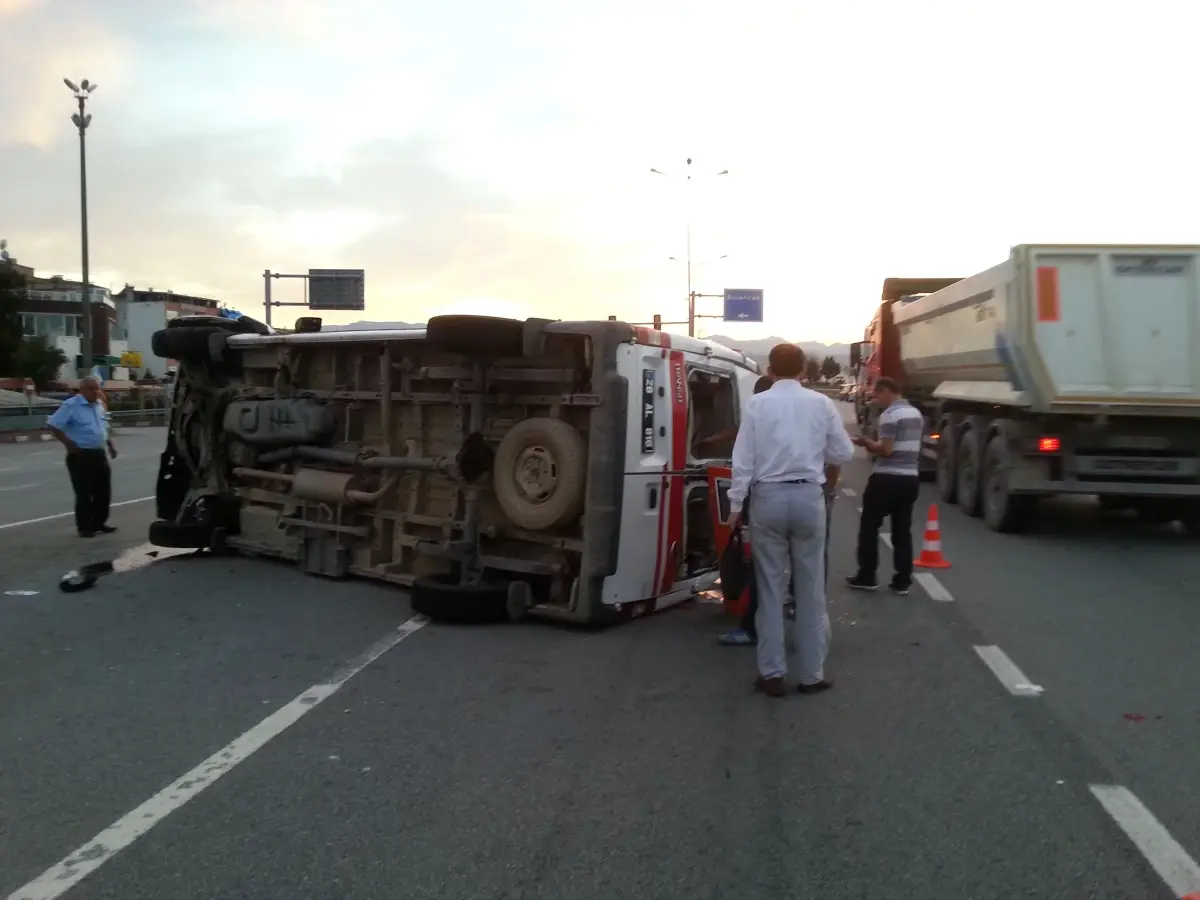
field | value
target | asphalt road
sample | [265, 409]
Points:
[37, 524]
[535, 762]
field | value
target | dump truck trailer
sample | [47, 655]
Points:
[1065, 369]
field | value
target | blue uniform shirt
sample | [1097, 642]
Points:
[81, 422]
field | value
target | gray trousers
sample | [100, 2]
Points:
[787, 531]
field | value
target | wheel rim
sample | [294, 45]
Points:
[535, 475]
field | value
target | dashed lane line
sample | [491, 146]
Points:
[1013, 679]
[1172, 863]
[64, 515]
[71, 870]
[934, 588]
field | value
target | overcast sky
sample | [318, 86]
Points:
[494, 156]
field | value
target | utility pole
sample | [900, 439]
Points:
[688, 205]
[82, 119]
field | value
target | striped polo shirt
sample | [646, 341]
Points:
[903, 423]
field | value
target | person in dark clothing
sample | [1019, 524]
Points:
[892, 489]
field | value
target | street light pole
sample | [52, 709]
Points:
[82, 120]
[688, 204]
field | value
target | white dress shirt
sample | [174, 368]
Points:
[788, 433]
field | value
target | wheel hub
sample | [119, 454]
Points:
[536, 474]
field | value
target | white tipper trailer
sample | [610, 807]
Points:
[1066, 369]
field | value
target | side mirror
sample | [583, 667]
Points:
[856, 355]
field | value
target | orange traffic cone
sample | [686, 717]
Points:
[931, 550]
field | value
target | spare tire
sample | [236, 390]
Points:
[477, 335]
[540, 476]
[186, 535]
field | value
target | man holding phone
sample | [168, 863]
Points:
[892, 489]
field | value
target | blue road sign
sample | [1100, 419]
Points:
[743, 305]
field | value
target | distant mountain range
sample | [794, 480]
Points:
[755, 349]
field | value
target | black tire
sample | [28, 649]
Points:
[540, 476]
[1115, 502]
[488, 336]
[244, 325]
[186, 535]
[1191, 518]
[519, 600]
[967, 476]
[1003, 511]
[1159, 512]
[185, 344]
[442, 599]
[947, 473]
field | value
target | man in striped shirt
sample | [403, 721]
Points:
[891, 490]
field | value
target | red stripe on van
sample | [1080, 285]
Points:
[673, 501]
[1048, 306]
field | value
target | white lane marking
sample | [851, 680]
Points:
[21, 593]
[1006, 670]
[934, 588]
[41, 452]
[18, 487]
[64, 515]
[67, 873]
[850, 492]
[9, 469]
[1170, 861]
[886, 537]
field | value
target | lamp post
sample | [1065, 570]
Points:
[688, 204]
[82, 119]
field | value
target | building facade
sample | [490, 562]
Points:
[52, 311]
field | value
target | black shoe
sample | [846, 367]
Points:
[858, 583]
[106, 529]
[87, 534]
[819, 687]
[900, 589]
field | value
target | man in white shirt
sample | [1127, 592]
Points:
[789, 438]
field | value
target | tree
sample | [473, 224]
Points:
[812, 369]
[38, 361]
[12, 290]
[830, 367]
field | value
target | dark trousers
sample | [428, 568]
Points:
[747, 624]
[888, 497]
[92, 480]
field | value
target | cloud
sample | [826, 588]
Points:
[41, 42]
[210, 213]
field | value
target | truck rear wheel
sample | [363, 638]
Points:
[1003, 510]
[947, 476]
[967, 476]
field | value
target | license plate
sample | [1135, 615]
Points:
[1128, 466]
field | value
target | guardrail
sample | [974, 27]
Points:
[124, 418]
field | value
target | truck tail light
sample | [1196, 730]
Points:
[1049, 445]
[935, 437]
